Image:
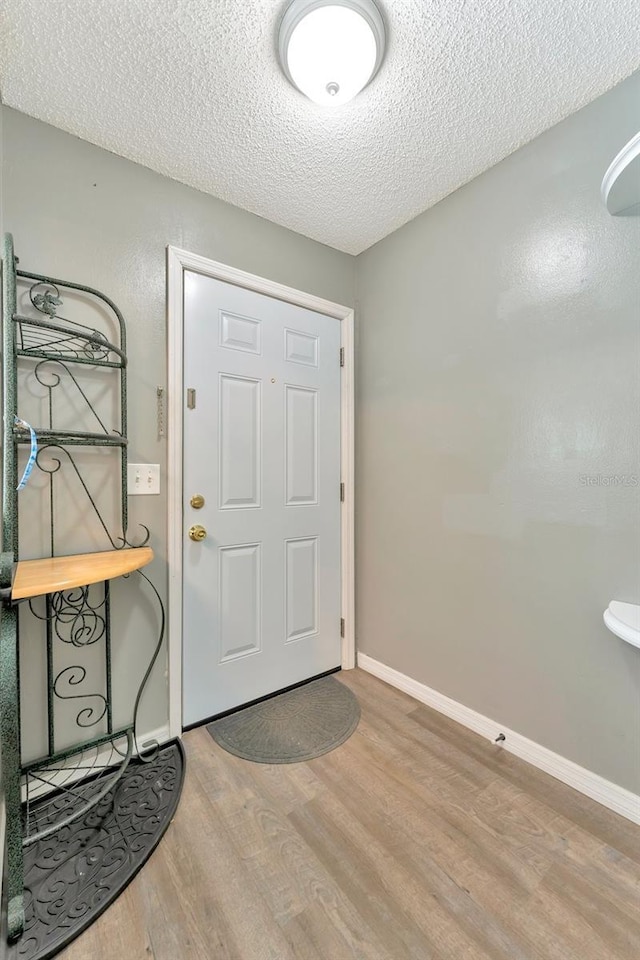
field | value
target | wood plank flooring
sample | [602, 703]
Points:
[415, 840]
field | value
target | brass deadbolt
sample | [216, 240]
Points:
[197, 533]
[197, 501]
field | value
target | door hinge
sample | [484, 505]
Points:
[342, 493]
[342, 626]
[191, 398]
[342, 356]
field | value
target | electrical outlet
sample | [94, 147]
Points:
[143, 478]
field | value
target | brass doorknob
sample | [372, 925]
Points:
[197, 501]
[197, 533]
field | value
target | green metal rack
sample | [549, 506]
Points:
[41, 346]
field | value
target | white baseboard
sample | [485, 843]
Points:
[610, 795]
[160, 735]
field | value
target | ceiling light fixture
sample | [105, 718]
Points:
[331, 49]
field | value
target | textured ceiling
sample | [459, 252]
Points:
[192, 89]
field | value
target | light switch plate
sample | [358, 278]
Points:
[143, 478]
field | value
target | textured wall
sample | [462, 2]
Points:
[194, 91]
[83, 214]
[498, 366]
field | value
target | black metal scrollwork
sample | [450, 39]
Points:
[45, 301]
[119, 542]
[76, 620]
[72, 609]
[41, 374]
[74, 676]
[58, 334]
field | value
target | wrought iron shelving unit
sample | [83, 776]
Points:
[47, 793]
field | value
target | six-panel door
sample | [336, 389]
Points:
[262, 446]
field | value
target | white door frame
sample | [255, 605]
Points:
[177, 262]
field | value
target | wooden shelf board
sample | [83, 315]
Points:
[35, 577]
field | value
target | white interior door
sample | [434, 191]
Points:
[261, 593]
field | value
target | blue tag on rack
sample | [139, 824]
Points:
[32, 454]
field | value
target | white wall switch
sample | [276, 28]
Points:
[143, 478]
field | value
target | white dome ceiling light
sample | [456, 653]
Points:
[331, 49]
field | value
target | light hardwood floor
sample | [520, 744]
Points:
[415, 839]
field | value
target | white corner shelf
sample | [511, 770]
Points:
[623, 619]
[621, 183]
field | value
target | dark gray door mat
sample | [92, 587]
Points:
[293, 726]
[73, 875]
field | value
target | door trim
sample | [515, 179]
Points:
[177, 262]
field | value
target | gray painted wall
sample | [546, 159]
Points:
[498, 365]
[81, 213]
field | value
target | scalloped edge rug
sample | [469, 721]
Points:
[72, 876]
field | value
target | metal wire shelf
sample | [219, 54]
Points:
[70, 341]
[71, 783]
[71, 437]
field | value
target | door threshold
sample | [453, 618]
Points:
[268, 696]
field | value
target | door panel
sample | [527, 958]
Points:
[301, 586]
[240, 442]
[240, 595]
[262, 446]
[301, 445]
[240, 333]
[301, 347]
